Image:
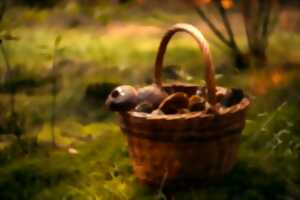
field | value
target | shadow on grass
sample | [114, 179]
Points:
[27, 181]
[26, 169]
[245, 182]
[31, 171]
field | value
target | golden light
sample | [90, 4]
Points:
[141, 2]
[277, 77]
[202, 2]
[261, 83]
[227, 4]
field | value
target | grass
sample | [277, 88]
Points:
[101, 169]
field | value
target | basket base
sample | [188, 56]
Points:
[171, 164]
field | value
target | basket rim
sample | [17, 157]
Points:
[243, 105]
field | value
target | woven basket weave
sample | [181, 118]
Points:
[182, 148]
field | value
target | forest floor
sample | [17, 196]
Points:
[109, 48]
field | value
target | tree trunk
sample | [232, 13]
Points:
[241, 61]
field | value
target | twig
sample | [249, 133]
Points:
[246, 12]
[54, 91]
[270, 118]
[53, 116]
[274, 16]
[268, 21]
[8, 77]
[161, 187]
[227, 25]
[216, 31]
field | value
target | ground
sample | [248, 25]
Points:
[90, 160]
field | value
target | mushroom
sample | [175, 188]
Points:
[151, 94]
[122, 98]
[196, 103]
[174, 103]
[126, 97]
[233, 97]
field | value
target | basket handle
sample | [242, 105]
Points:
[203, 44]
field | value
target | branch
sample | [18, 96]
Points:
[265, 23]
[54, 89]
[8, 76]
[227, 25]
[270, 21]
[247, 8]
[212, 27]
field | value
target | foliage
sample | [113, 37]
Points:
[91, 160]
[260, 18]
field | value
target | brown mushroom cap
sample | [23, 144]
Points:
[173, 103]
[196, 103]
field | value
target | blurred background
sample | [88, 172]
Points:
[59, 59]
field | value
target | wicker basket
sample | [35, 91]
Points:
[183, 148]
